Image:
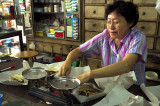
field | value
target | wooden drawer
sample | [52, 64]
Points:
[39, 46]
[95, 1]
[94, 63]
[47, 47]
[140, 2]
[94, 11]
[149, 28]
[150, 42]
[57, 48]
[89, 35]
[94, 25]
[147, 13]
[66, 49]
[158, 44]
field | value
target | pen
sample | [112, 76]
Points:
[6, 69]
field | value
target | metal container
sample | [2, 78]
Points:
[34, 73]
[56, 8]
[65, 83]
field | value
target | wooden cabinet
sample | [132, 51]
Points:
[148, 22]
[94, 17]
[42, 21]
[48, 46]
[94, 23]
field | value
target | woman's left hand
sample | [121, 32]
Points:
[84, 77]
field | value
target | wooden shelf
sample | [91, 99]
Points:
[40, 3]
[7, 19]
[49, 12]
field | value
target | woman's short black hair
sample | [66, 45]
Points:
[126, 9]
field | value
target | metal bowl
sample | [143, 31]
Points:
[65, 83]
[34, 73]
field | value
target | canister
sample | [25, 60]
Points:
[56, 8]
[50, 8]
[45, 8]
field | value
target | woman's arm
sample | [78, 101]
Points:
[117, 68]
[66, 66]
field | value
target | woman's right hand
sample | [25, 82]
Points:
[65, 69]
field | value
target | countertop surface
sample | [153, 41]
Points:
[21, 92]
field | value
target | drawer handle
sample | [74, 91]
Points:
[143, 13]
[142, 27]
[94, 12]
[94, 25]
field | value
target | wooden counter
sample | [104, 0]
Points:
[22, 91]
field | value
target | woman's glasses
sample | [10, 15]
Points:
[115, 23]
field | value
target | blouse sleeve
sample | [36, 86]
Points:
[138, 45]
[92, 47]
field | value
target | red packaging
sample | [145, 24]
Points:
[3, 41]
[59, 34]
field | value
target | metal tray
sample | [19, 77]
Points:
[34, 73]
[65, 83]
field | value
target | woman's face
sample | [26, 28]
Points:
[117, 26]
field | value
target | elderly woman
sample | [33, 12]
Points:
[122, 48]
